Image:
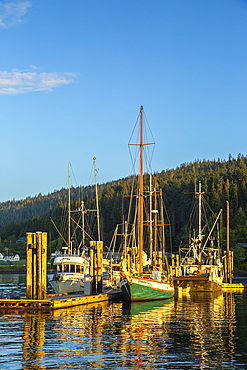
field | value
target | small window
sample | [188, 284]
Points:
[66, 268]
[59, 269]
[72, 268]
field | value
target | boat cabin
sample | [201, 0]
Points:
[69, 264]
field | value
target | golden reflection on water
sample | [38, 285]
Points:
[34, 334]
[200, 328]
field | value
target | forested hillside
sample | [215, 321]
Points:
[221, 181]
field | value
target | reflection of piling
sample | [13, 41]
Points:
[33, 341]
[36, 265]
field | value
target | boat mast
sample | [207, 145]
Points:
[83, 224]
[151, 226]
[155, 224]
[199, 251]
[141, 195]
[200, 212]
[97, 199]
[69, 231]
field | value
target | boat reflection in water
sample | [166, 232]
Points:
[206, 331]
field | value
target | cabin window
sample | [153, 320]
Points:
[77, 268]
[66, 268]
[59, 268]
[72, 268]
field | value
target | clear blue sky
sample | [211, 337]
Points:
[74, 73]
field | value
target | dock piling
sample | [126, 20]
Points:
[36, 265]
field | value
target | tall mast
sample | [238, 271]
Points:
[97, 199]
[69, 242]
[200, 211]
[151, 225]
[155, 225]
[141, 195]
[83, 224]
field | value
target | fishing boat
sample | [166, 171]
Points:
[145, 278]
[199, 266]
[73, 263]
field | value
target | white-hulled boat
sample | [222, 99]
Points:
[69, 275]
[71, 267]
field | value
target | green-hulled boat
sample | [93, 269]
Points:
[143, 278]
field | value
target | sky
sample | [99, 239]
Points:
[74, 73]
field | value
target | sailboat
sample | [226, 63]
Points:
[143, 278]
[200, 267]
[73, 264]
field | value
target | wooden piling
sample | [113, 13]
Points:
[93, 265]
[34, 268]
[29, 266]
[39, 266]
[36, 265]
[99, 266]
[44, 264]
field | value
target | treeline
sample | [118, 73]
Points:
[221, 181]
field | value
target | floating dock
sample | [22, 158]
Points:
[55, 301]
[234, 286]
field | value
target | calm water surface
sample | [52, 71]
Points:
[192, 332]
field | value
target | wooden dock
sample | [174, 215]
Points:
[234, 286]
[55, 301]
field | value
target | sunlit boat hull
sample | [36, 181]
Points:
[67, 283]
[198, 283]
[138, 289]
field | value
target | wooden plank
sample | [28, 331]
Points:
[70, 302]
[57, 301]
[233, 286]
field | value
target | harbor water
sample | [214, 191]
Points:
[202, 331]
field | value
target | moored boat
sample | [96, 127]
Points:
[73, 264]
[200, 266]
[143, 278]
[140, 289]
[69, 275]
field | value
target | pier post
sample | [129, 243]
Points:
[99, 266]
[93, 265]
[44, 264]
[29, 279]
[36, 265]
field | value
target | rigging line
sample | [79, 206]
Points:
[59, 232]
[90, 176]
[146, 120]
[207, 204]
[206, 226]
[82, 228]
[73, 174]
[137, 121]
[170, 231]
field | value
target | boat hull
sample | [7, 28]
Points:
[138, 289]
[67, 283]
[198, 283]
